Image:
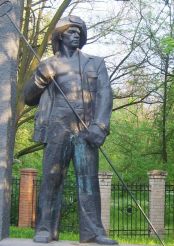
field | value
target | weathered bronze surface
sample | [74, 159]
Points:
[84, 80]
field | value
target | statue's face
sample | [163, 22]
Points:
[71, 37]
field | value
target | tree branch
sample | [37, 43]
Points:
[28, 150]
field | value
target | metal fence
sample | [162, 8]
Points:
[126, 219]
[15, 201]
[169, 210]
[69, 215]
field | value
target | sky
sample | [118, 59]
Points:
[113, 44]
[90, 12]
[95, 11]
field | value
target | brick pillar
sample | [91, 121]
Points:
[157, 200]
[27, 198]
[105, 192]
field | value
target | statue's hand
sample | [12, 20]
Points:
[44, 74]
[94, 135]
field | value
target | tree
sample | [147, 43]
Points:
[9, 43]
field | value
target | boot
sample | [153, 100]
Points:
[42, 237]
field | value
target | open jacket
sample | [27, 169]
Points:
[87, 86]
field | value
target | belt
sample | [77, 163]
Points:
[63, 104]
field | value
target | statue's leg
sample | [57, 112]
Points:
[86, 168]
[55, 163]
[56, 209]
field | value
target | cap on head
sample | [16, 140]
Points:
[63, 24]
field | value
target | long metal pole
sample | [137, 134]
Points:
[82, 122]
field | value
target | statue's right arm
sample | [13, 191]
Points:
[39, 81]
[32, 92]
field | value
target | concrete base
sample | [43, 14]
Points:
[29, 242]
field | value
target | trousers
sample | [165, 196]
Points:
[56, 160]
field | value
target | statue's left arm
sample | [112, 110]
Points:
[104, 99]
[99, 127]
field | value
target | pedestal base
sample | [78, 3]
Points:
[29, 242]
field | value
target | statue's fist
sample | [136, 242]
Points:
[95, 136]
[44, 74]
[46, 69]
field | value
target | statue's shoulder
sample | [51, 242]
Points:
[48, 59]
[97, 60]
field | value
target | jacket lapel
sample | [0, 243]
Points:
[83, 59]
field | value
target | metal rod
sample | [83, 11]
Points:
[82, 122]
[21, 34]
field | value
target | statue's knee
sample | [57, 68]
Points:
[55, 170]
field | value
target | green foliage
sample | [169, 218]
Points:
[23, 140]
[167, 44]
[134, 145]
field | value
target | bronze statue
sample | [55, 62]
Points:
[84, 80]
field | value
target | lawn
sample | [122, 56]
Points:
[16, 232]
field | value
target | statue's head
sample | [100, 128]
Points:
[65, 27]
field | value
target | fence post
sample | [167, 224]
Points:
[157, 200]
[27, 197]
[105, 193]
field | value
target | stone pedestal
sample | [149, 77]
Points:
[29, 242]
[105, 192]
[27, 197]
[157, 200]
[9, 42]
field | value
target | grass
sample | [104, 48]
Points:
[16, 232]
[169, 241]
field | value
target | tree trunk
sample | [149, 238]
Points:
[9, 42]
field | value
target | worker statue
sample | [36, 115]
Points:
[84, 80]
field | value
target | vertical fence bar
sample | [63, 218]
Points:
[144, 200]
[114, 214]
[136, 187]
[118, 192]
[166, 210]
[125, 209]
[148, 207]
[169, 210]
[173, 210]
[122, 198]
[140, 211]
[131, 212]
[14, 202]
